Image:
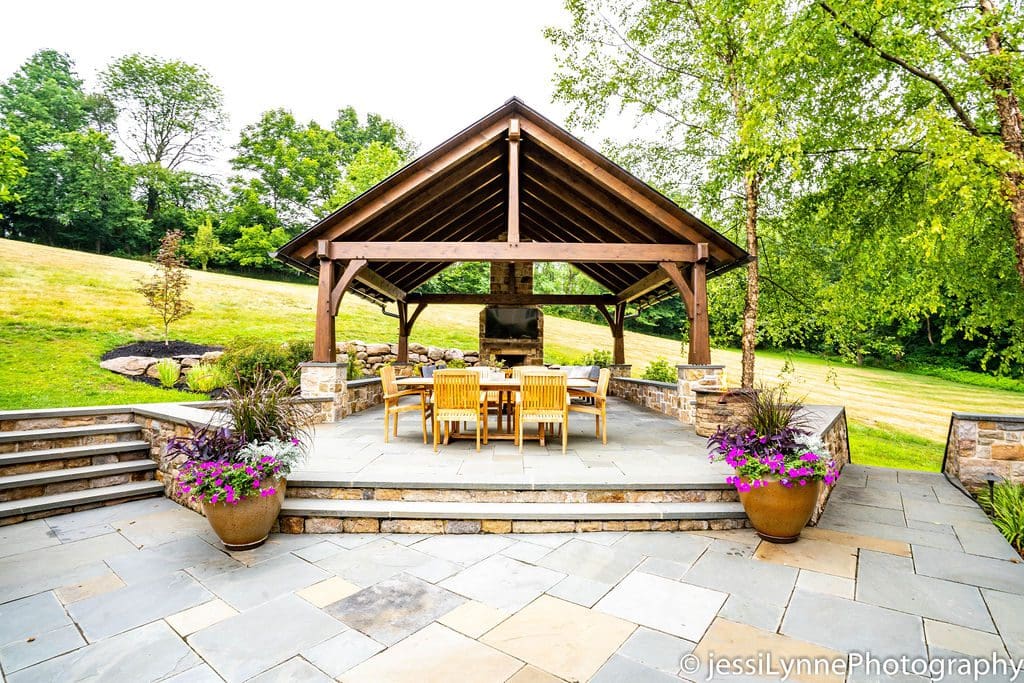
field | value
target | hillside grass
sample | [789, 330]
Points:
[60, 310]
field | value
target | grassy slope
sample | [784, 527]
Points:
[60, 309]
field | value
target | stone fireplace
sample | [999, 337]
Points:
[524, 349]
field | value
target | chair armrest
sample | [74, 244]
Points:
[405, 392]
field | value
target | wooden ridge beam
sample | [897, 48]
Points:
[514, 299]
[513, 182]
[593, 252]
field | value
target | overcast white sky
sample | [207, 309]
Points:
[434, 66]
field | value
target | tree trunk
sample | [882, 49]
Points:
[752, 191]
[152, 198]
[1011, 131]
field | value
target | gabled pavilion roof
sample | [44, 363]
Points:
[459, 192]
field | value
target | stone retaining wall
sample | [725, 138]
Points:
[717, 408]
[662, 397]
[373, 356]
[983, 446]
[830, 424]
[364, 393]
[372, 525]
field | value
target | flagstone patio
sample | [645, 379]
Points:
[901, 564]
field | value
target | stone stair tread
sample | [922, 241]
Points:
[68, 452]
[73, 498]
[73, 473]
[69, 432]
[399, 509]
[327, 479]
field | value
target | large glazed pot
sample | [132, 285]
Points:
[778, 513]
[246, 524]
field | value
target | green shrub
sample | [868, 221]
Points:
[205, 377]
[661, 371]
[355, 365]
[168, 372]
[456, 363]
[598, 357]
[246, 361]
[1005, 505]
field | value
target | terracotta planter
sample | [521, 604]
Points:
[778, 513]
[247, 524]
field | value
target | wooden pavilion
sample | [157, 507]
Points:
[512, 188]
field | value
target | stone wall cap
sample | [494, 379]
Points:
[650, 382]
[687, 366]
[986, 417]
[314, 364]
[621, 365]
[363, 382]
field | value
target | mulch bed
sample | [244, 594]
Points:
[157, 349]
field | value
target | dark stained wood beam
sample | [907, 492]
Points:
[593, 252]
[610, 276]
[700, 335]
[374, 281]
[513, 182]
[645, 285]
[343, 281]
[513, 299]
[324, 349]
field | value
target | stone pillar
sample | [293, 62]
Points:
[620, 370]
[327, 380]
[716, 408]
[691, 378]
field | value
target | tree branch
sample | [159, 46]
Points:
[864, 39]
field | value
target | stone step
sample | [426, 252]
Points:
[34, 484]
[52, 418]
[38, 439]
[43, 506]
[74, 452]
[398, 509]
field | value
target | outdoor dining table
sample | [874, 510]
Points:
[505, 386]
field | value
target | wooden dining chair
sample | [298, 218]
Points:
[598, 405]
[393, 405]
[543, 399]
[457, 398]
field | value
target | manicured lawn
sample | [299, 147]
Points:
[60, 310]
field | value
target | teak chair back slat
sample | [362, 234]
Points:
[543, 398]
[457, 399]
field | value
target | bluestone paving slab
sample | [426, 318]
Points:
[337, 655]
[619, 669]
[676, 608]
[547, 540]
[318, 551]
[847, 512]
[925, 494]
[26, 652]
[916, 536]
[275, 545]
[463, 549]
[849, 626]
[66, 525]
[435, 569]
[525, 552]
[148, 563]
[373, 562]
[212, 567]
[752, 579]
[753, 612]
[31, 616]
[591, 561]
[666, 568]
[393, 609]
[951, 495]
[197, 674]
[136, 604]
[148, 653]
[818, 582]
[249, 586]
[983, 538]
[867, 496]
[1007, 611]
[579, 590]
[262, 637]
[889, 581]
[502, 582]
[164, 526]
[21, 538]
[973, 570]
[656, 649]
[295, 670]
[941, 513]
[950, 638]
[675, 547]
[916, 478]
[59, 565]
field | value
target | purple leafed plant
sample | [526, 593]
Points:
[772, 443]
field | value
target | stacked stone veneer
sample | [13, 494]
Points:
[717, 408]
[326, 381]
[981, 446]
[830, 424]
[679, 399]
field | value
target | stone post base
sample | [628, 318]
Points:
[718, 408]
[691, 378]
[623, 370]
[326, 381]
